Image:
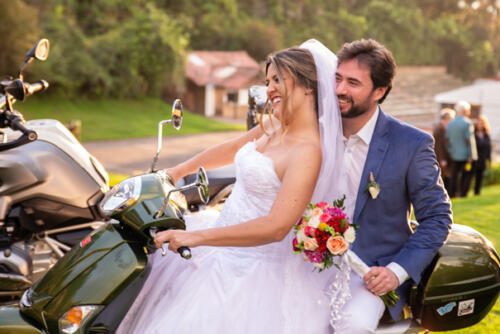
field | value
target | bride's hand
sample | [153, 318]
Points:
[176, 239]
[174, 174]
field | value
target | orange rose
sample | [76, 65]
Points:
[337, 245]
[310, 244]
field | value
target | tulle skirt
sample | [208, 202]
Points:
[265, 289]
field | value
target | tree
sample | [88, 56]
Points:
[259, 39]
[19, 31]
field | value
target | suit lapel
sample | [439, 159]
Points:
[376, 154]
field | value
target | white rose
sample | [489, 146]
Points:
[320, 265]
[308, 213]
[301, 236]
[350, 234]
[314, 221]
[310, 244]
[317, 212]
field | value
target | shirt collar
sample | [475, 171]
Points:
[366, 132]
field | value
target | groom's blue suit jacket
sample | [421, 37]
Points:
[403, 162]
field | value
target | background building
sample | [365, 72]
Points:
[217, 82]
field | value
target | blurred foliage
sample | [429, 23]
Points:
[131, 48]
[492, 175]
[18, 34]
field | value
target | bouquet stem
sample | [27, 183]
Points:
[360, 268]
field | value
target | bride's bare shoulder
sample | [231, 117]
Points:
[310, 150]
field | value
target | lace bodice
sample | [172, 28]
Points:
[255, 190]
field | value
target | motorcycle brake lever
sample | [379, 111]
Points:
[184, 252]
[152, 233]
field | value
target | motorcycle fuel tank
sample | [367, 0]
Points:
[462, 285]
[54, 178]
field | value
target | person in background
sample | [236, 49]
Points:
[462, 149]
[442, 155]
[483, 142]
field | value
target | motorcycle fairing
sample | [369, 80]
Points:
[90, 275]
[12, 321]
[54, 132]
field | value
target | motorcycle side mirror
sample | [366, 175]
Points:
[176, 123]
[202, 185]
[177, 114]
[39, 51]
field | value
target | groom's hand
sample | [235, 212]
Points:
[380, 280]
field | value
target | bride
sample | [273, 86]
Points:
[244, 277]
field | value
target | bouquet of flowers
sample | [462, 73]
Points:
[324, 232]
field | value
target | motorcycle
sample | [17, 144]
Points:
[101, 276]
[49, 191]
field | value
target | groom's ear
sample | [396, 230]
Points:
[379, 92]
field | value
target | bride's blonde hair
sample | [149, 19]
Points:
[300, 64]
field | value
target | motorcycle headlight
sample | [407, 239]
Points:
[76, 318]
[122, 195]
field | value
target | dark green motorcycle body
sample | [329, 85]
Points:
[92, 274]
[461, 285]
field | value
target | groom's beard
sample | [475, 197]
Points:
[356, 109]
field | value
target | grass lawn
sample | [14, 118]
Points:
[482, 213]
[115, 178]
[116, 119]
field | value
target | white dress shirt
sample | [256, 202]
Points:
[355, 152]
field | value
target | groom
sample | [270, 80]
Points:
[400, 159]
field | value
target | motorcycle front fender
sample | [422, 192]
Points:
[11, 321]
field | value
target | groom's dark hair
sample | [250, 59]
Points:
[374, 55]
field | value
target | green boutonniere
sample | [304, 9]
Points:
[373, 188]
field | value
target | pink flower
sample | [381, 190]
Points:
[335, 212]
[325, 218]
[310, 231]
[295, 243]
[314, 257]
[322, 205]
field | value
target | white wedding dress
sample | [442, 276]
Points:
[264, 289]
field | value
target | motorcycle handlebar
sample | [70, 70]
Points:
[183, 251]
[35, 87]
[16, 123]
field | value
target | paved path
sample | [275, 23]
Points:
[131, 156]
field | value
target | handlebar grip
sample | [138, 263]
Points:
[31, 89]
[184, 252]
